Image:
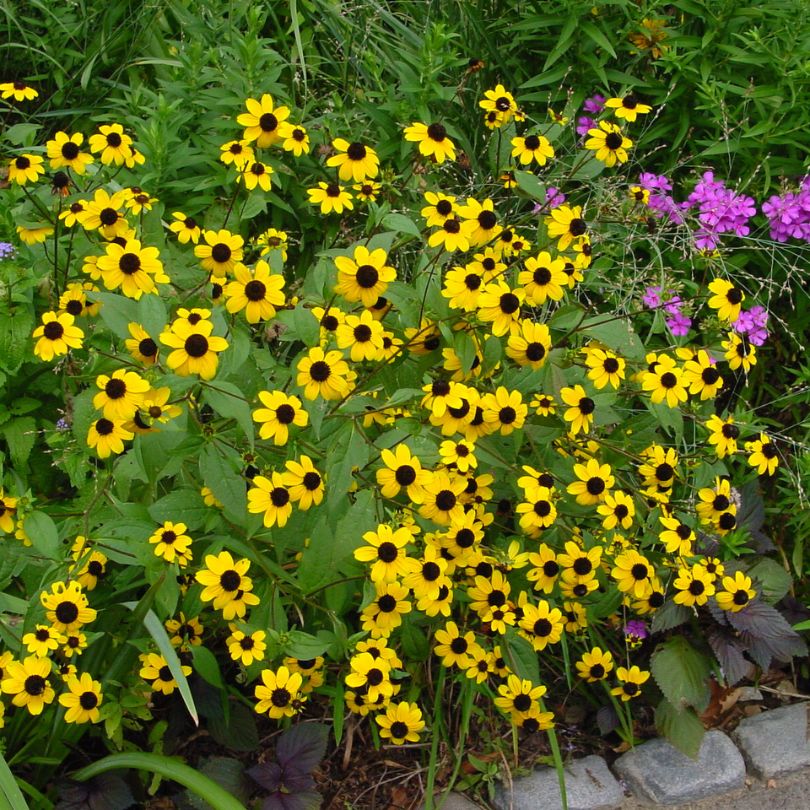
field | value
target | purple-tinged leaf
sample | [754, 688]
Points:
[302, 747]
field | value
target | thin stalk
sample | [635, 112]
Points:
[434, 743]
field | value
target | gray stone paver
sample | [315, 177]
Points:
[775, 742]
[589, 785]
[657, 772]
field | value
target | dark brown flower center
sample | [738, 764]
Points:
[221, 253]
[53, 330]
[129, 263]
[367, 276]
[356, 151]
[255, 290]
[115, 388]
[35, 685]
[320, 371]
[88, 700]
[230, 580]
[279, 497]
[67, 612]
[196, 346]
[613, 140]
[285, 414]
[268, 122]
[436, 132]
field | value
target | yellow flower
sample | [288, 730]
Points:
[28, 681]
[355, 161]
[172, 543]
[401, 723]
[726, 299]
[254, 174]
[433, 141]
[64, 152]
[82, 699]
[331, 197]
[114, 145]
[156, 669]
[259, 293]
[581, 408]
[262, 121]
[627, 107]
[270, 497]
[56, 336]
[630, 682]
[294, 138]
[764, 455]
[609, 143]
[18, 90]
[25, 169]
[736, 594]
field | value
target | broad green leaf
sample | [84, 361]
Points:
[401, 224]
[520, 656]
[42, 531]
[531, 184]
[181, 506]
[305, 646]
[682, 674]
[206, 666]
[20, 434]
[220, 468]
[682, 729]
[230, 403]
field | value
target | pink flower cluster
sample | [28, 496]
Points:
[789, 214]
[720, 210]
[677, 322]
[661, 201]
[753, 324]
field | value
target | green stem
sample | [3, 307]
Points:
[558, 762]
[168, 768]
[468, 690]
[434, 743]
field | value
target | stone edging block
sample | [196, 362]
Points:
[775, 741]
[657, 772]
[589, 785]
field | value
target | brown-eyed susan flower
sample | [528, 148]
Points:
[543, 279]
[262, 121]
[450, 235]
[141, 346]
[18, 90]
[401, 723]
[723, 435]
[66, 607]
[171, 542]
[740, 352]
[258, 293]
[581, 408]
[726, 299]
[28, 681]
[371, 674]
[639, 195]
[187, 228]
[384, 613]
[74, 299]
[42, 641]
[64, 151]
[270, 497]
[34, 236]
[355, 160]
[386, 553]
[676, 536]
[529, 344]
[220, 251]
[763, 455]
[82, 699]
[25, 169]
[627, 107]
[184, 631]
[578, 564]
[651, 37]
[504, 410]
[323, 374]
[633, 573]
[604, 367]
[532, 147]
[454, 647]
[459, 454]
[518, 696]
[107, 436]
[56, 336]
[367, 191]
[255, 174]
[442, 497]
[617, 510]
[237, 153]
[331, 197]
[156, 670]
[665, 383]
[8, 508]
[131, 268]
[609, 143]
[139, 201]
[304, 482]
[480, 222]
[439, 208]
[593, 482]
[429, 574]
[433, 141]
[694, 585]
[501, 103]
[362, 335]
[247, 648]
[595, 665]
[280, 411]
[71, 214]
[736, 594]
[273, 240]
[714, 502]
[566, 224]
[544, 568]
[702, 376]
[541, 624]
[195, 349]
[223, 579]
[462, 286]
[75, 644]
[365, 276]
[294, 138]
[120, 394]
[402, 470]
[103, 213]
[500, 305]
[113, 144]
[659, 467]
[630, 682]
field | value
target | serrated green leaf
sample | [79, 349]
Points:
[682, 729]
[682, 674]
[42, 531]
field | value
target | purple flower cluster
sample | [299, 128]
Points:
[720, 210]
[789, 215]
[6, 250]
[661, 201]
[753, 323]
[677, 322]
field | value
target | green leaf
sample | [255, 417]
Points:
[230, 403]
[401, 224]
[683, 729]
[219, 469]
[531, 184]
[9, 789]
[773, 578]
[616, 333]
[206, 666]
[520, 656]
[597, 35]
[42, 531]
[305, 646]
[237, 731]
[169, 768]
[682, 673]
[181, 506]
[16, 327]
[21, 434]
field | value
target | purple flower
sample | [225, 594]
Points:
[720, 210]
[61, 424]
[6, 250]
[554, 197]
[652, 297]
[636, 628]
[679, 324]
[584, 124]
[753, 323]
[789, 215]
[654, 182]
[673, 305]
[595, 104]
